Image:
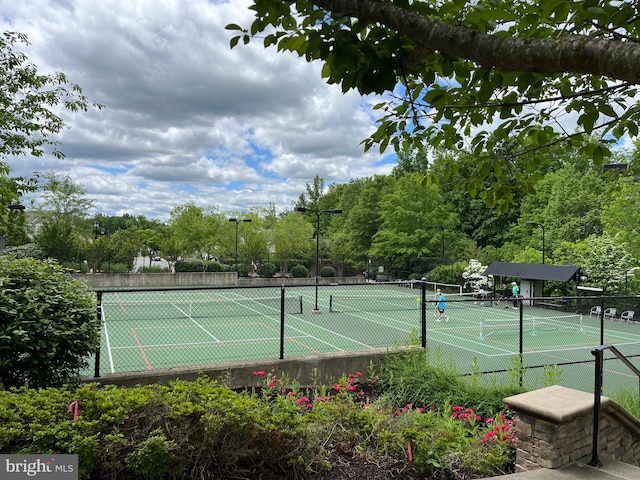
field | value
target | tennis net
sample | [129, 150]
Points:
[373, 303]
[115, 309]
[531, 326]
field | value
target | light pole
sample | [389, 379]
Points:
[96, 226]
[536, 224]
[236, 221]
[442, 232]
[318, 213]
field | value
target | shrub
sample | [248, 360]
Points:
[48, 327]
[267, 270]
[152, 269]
[196, 265]
[157, 432]
[25, 251]
[327, 271]
[212, 266]
[114, 267]
[299, 271]
[204, 430]
[241, 268]
[423, 377]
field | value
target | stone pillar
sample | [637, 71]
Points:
[555, 427]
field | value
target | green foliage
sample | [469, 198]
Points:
[299, 271]
[114, 267]
[426, 378]
[447, 273]
[438, 57]
[627, 399]
[155, 432]
[29, 121]
[48, 329]
[281, 431]
[151, 269]
[29, 250]
[154, 457]
[327, 271]
[267, 270]
[241, 268]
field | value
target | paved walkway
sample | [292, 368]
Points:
[610, 470]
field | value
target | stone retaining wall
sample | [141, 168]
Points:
[308, 371]
[555, 428]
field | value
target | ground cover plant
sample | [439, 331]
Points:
[202, 429]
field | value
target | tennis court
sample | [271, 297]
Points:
[153, 329]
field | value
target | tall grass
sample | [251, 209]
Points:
[629, 399]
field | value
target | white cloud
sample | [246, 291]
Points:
[187, 118]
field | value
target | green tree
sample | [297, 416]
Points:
[603, 260]
[197, 231]
[48, 324]
[292, 236]
[30, 115]
[61, 211]
[568, 203]
[459, 69]
[29, 99]
[406, 212]
[621, 217]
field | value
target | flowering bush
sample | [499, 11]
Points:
[435, 439]
[473, 275]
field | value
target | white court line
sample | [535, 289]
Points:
[189, 344]
[107, 341]
[197, 324]
[316, 326]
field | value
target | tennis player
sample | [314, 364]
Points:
[440, 306]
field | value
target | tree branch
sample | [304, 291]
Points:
[566, 54]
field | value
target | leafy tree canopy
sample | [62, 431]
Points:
[466, 75]
[28, 121]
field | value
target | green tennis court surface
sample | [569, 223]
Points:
[147, 330]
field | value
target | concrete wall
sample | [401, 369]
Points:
[306, 370]
[135, 280]
[555, 428]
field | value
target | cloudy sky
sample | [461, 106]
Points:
[187, 119]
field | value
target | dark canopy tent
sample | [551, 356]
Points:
[534, 271]
[532, 277]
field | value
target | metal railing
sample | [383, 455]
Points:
[598, 352]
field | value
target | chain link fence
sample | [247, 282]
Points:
[544, 340]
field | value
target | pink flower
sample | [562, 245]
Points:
[358, 374]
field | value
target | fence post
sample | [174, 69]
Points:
[602, 320]
[598, 352]
[423, 315]
[281, 322]
[521, 346]
[96, 370]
